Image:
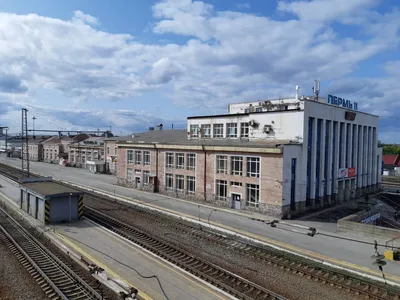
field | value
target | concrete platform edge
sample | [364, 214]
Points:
[319, 258]
[73, 253]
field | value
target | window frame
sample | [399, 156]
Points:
[138, 157]
[219, 170]
[128, 153]
[146, 177]
[167, 156]
[239, 160]
[229, 127]
[180, 179]
[249, 161]
[179, 156]
[146, 154]
[167, 177]
[256, 188]
[194, 130]
[218, 184]
[191, 157]
[244, 129]
[220, 128]
[132, 174]
[189, 180]
[206, 130]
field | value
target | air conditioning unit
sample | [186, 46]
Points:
[268, 129]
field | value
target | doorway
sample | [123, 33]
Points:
[235, 200]
[137, 182]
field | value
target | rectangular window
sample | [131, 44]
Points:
[318, 161]
[235, 183]
[138, 157]
[130, 156]
[191, 184]
[218, 130]
[191, 161]
[146, 157]
[115, 150]
[244, 130]
[253, 167]
[341, 144]
[194, 130]
[129, 175]
[180, 182]
[309, 152]
[253, 195]
[206, 130]
[236, 165]
[169, 181]
[170, 160]
[180, 160]
[137, 171]
[222, 167]
[146, 177]
[221, 189]
[348, 144]
[231, 130]
[108, 149]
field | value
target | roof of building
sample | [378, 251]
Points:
[179, 137]
[50, 188]
[391, 159]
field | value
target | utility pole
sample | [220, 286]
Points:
[24, 142]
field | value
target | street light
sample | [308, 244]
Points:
[209, 216]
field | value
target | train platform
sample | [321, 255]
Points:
[120, 258]
[347, 251]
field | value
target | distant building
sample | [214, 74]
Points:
[56, 149]
[89, 150]
[391, 165]
[278, 157]
[35, 146]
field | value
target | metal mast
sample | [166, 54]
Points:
[24, 140]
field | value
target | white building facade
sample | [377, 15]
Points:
[330, 150]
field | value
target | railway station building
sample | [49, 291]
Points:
[279, 157]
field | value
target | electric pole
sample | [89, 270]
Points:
[24, 142]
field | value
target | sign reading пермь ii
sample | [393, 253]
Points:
[342, 102]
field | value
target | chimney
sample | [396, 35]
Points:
[160, 126]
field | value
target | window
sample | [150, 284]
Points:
[191, 184]
[222, 164]
[244, 130]
[130, 156]
[218, 130]
[115, 150]
[194, 130]
[129, 175]
[72, 158]
[258, 109]
[191, 161]
[146, 157]
[253, 195]
[234, 183]
[137, 171]
[83, 158]
[253, 167]
[146, 176]
[180, 160]
[170, 160]
[221, 189]
[231, 130]
[169, 181]
[108, 149]
[206, 130]
[236, 165]
[138, 157]
[180, 182]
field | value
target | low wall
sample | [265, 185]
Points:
[352, 224]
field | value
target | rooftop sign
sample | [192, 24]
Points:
[342, 102]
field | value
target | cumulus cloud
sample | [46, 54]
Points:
[221, 56]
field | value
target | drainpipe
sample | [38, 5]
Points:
[156, 178]
[205, 172]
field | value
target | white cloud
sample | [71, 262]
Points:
[243, 5]
[80, 16]
[227, 56]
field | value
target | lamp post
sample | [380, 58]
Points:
[209, 216]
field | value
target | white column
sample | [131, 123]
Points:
[365, 156]
[370, 156]
[343, 130]
[360, 161]
[350, 147]
[322, 160]
[375, 162]
[329, 166]
[336, 165]
[313, 158]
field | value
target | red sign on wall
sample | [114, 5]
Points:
[351, 172]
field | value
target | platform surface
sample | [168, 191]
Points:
[333, 250]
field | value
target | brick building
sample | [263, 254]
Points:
[56, 148]
[36, 147]
[279, 157]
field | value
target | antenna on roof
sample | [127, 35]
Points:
[297, 92]
[316, 89]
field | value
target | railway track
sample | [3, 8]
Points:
[225, 280]
[290, 263]
[56, 279]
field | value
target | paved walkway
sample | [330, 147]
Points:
[292, 236]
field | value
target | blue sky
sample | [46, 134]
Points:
[132, 64]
